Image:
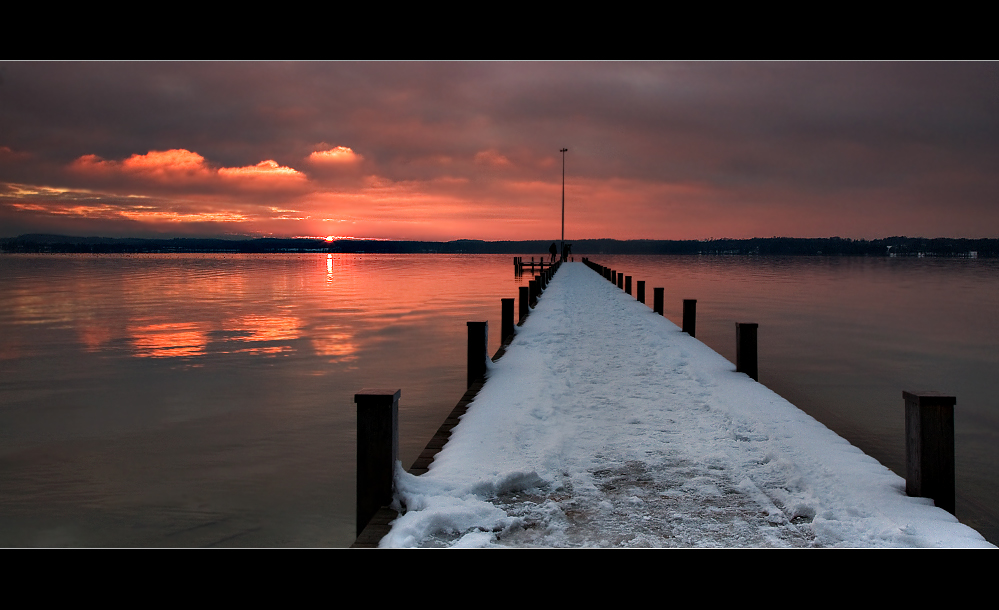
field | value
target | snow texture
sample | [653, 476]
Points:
[604, 425]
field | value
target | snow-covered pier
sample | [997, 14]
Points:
[604, 425]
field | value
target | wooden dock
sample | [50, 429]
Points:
[379, 525]
[684, 458]
[519, 264]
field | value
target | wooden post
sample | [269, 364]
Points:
[745, 349]
[929, 447]
[620, 281]
[507, 320]
[658, 296]
[627, 284]
[525, 300]
[377, 450]
[478, 337]
[641, 291]
[689, 316]
[534, 291]
[613, 277]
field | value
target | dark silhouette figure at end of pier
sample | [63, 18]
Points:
[566, 251]
[553, 249]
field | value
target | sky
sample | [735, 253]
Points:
[452, 150]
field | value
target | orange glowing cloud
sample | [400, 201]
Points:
[182, 165]
[139, 213]
[337, 155]
[167, 164]
[265, 170]
[174, 164]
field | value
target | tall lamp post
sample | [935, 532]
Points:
[562, 256]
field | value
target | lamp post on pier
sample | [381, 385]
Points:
[562, 255]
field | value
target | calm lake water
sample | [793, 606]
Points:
[207, 400]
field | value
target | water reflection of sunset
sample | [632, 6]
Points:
[249, 332]
[337, 346]
[169, 340]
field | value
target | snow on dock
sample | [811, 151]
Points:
[604, 425]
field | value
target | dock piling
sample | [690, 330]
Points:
[689, 316]
[478, 337]
[641, 291]
[377, 450]
[524, 303]
[658, 296]
[929, 447]
[745, 349]
[507, 320]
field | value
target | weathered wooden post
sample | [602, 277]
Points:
[525, 300]
[929, 447]
[689, 316]
[478, 337]
[613, 277]
[627, 284]
[507, 320]
[535, 291]
[641, 291]
[658, 297]
[620, 281]
[745, 349]
[377, 450]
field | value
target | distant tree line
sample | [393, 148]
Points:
[794, 246]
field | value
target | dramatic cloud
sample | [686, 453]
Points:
[340, 155]
[184, 166]
[168, 165]
[450, 150]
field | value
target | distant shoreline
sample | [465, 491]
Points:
[788, 246]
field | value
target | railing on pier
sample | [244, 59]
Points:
[519, 264]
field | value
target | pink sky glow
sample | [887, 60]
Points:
[440, 151]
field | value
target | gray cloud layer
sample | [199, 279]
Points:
[881, 140]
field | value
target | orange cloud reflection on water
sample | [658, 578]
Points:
[251, 331]
[334, 344]
[169, 340]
